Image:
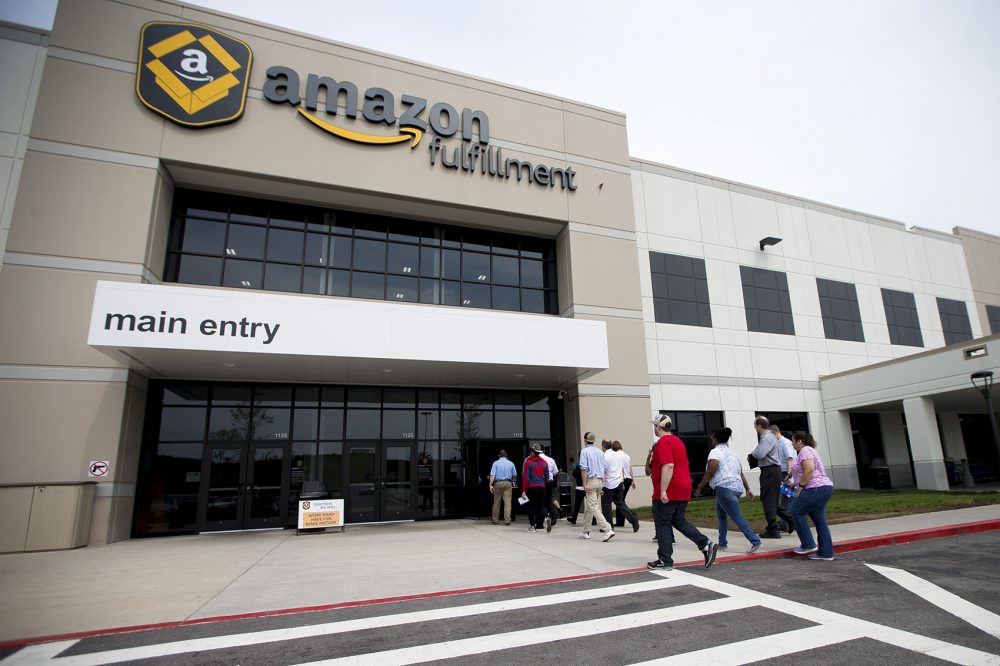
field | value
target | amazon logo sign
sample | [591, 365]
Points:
[198, 77]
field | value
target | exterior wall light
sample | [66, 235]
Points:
[770, 240]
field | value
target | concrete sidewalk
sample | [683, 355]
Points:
[168, 580]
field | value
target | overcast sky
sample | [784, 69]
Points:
[889, 107]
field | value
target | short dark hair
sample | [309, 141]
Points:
[805, 438]
[722, 435]
[761, 421]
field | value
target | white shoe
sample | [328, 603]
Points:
[585, 535]
[608, 536]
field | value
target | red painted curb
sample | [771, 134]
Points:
[863, 543]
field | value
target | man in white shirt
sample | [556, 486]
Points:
[551, 500]
[614, 480]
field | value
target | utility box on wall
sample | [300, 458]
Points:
[45, 517]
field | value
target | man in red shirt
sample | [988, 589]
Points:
[668, 470]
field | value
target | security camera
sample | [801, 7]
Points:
[562, 394]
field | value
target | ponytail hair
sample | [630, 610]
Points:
[805, 438]
[722, 435]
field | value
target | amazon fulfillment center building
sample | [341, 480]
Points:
[237, 258]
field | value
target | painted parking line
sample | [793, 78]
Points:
[977, 616]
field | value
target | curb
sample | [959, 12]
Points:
[851, 545]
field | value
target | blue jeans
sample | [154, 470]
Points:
[671, 515]
[812, 502]
[727, 505]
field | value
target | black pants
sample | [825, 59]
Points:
[536, 507]
[617, 496]
[668, 516]
[784, 504]
[577, 503]
[550, 501]
[770, 484]
[620, 516]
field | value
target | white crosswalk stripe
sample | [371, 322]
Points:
[829, 628]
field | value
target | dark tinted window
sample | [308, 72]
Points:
[901, 316]
[954, 321]
[993, 315]
[838, 302]
[680, 290]
[766, 301]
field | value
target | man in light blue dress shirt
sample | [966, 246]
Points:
[592, 467]
[503, 474]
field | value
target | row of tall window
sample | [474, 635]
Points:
[255, 244]
[681, 296]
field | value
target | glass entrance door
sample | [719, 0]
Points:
[380, 481]
[242, 486]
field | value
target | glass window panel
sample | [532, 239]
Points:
[399, 398]
[533, 248]
[450, 468]
[229, 423]
[276, 396]
[331, 466]
[369, 255]
[363, 424]
[476, 267]
[477, 424]
[451, 424]
[169, 496]
[532, 300]
[364, 397]
[505, 270]
[306, 396]
[368, 285]
[430, 290]
[245, 242]
[316, 249]
[370, 227]
[185, 394]
[506, 245]
[451, 399]
[248, 210]
[282, 277]
[428, 398]
[404, 289]
[332, 396]
[403, 259]
[313, 280]
[475, 295]
[475, 240]
[203, 204]
[451, 264]
[204, 237]
[399, 424]
[306, 424]
[230, 394]
[199, 270]
[182, 423]
[506, 298]
[289, 216]
[427, 425]
[537, 425]
[331, 424]
[404, 230]
[532, 273]
[430, 262]
[536, 401]
[509, 424]
[340, 251]
[285, 245]
[339, 283]
[450, 237]
[243, 274]
[271, 422]
[451, 293]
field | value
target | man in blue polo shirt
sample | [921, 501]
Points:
[503, 474]
[592, 469]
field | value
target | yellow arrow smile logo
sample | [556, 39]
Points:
[411, 134]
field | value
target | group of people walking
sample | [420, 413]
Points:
[794, 487]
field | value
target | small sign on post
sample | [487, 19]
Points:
[320, 514]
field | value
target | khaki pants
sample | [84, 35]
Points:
[593, 502]
[501, 491]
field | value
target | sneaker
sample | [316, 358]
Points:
[710, 552]
[506, 522]
[585, 535]
[531, 529]
[805, 551]
[659, 564]
[496, 522]
[754, 548]
[770, 535]
[635, 525]
[609, 536]
[817, 556]
[548, 524]
[722, 547]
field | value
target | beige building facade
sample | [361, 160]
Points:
[239, 264]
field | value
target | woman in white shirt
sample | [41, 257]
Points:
[724, 474]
